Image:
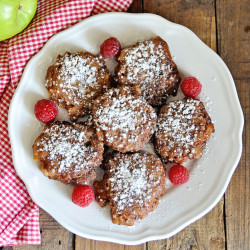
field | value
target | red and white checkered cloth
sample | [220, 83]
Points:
[19, 215]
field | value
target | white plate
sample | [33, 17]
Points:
[181, 205]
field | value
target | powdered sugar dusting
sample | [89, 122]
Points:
[146, 60]
[74, 69]
[130, 182]
[75, 80]
[148, 64]
[177, 128]
[66, 148]
[126, 114]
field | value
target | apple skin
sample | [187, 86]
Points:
[15, 15]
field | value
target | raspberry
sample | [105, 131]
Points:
[110, 48]
[45, 110]
[178, 174]
[83, 195]
[191, 87]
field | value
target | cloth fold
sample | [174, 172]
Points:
[19, 215]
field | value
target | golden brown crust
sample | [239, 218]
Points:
[132, 186]
[68, 152]
[75, 80]
[149, 64]
[183, 127]
[123, 120]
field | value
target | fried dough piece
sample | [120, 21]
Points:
[149, 64]
[68, 152]
[76, 80]
[123, 120]
[132, 186]
[183, 128]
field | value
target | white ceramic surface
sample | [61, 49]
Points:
[209, 176]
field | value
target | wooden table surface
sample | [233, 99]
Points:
[224, 25]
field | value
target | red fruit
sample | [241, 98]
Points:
[110, 48]
[178, 174]
[191, 87]
[45, 110]
[83, 195]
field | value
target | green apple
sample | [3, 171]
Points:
[15, 15]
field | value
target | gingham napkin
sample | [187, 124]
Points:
[19, 215]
